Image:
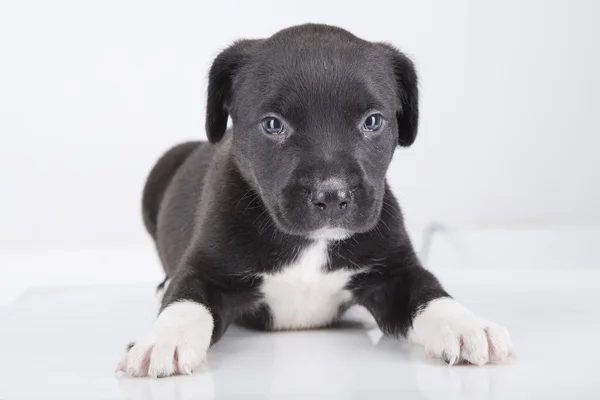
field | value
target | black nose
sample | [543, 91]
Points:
[331, 198]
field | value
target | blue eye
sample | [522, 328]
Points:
[272, 125]
[373, 122]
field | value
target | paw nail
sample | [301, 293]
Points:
[450, 360]
[120, 368]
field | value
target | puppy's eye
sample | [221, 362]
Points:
[272, 125]
[373, 122]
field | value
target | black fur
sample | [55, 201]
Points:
[159, 179]
[223, 213]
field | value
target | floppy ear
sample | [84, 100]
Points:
[220, 83]
[408, 95]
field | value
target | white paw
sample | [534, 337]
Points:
[450, 331]
[176, 343]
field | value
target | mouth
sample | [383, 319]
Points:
[300, 224]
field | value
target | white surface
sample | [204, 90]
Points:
[20, 270]
[64, 343]
[91, 93]
[529, 247]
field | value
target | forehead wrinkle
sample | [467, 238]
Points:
[297, 97]
[312, 90]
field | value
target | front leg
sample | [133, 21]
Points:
[193, 315]
[407, 300]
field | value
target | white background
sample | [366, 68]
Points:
[91, 93]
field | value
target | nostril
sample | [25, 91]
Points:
[321, 206]
[343, 205]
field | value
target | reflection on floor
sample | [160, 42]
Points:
[65, 342]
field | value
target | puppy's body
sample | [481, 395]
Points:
[207, 210]
[286, 220]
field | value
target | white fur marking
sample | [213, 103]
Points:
[302, 295]
[450, 331]
[185, 326]
[330, 234]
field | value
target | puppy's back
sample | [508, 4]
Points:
[158, 180]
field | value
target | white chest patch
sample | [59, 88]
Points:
[302, 294]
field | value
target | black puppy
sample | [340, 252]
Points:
[286, 220]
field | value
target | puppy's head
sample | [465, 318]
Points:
[317, 114]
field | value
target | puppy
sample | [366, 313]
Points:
[285, 220]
